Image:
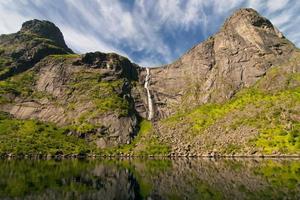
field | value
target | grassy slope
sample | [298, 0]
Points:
[271, 107]
[32, 137]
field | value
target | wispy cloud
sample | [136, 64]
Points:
[148, 32]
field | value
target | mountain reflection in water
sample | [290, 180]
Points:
[150, 179]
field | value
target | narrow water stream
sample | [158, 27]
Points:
[150, 101]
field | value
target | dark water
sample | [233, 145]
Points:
[150, 179]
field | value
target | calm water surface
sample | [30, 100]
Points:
[150, 179]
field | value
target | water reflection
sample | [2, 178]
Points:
[150, 179]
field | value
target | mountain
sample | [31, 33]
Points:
[237, 93]
[21, 50]
[86, 95]
[214, 71]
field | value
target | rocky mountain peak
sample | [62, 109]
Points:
[36, 40]
[246, 46]
[250, 15]
[44, 29]
[252, 27]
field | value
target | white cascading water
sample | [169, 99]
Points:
[150, 103]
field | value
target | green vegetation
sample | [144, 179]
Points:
[2, 63]
[21, 85]
[64, 56]
[206, 115]
[148, 143]
[231, 148]
[33, 137]
[18, 85]
[273, 114]
[275, 120]
[155, 147]
[104, 94]
[269, 108]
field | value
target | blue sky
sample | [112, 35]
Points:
[149, 32]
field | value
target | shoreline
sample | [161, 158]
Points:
[129, 156]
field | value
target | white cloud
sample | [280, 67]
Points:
[144, 30]
[275, 5]
[83, 42]
[10, 22]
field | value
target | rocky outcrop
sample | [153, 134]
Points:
[236, 57]
[89, 95]
[45, 29]
[22, 50]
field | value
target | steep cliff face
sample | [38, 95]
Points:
[236, 57]
[235, 93]
[89, 95]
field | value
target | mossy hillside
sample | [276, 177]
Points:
[199, 119]
[22, 50]
[64, 56]
[84, 87]
[102, 97]
[27, 40]
[4, 63]
[105, 95]
[19, 85]
[34, 137]
[22, 86]
[273, 114]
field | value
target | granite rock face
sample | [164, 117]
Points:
[234, 58]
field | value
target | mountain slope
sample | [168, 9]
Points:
[236, 57]
[262, 119]
[237, 93]
[21, 50]
[84, 96]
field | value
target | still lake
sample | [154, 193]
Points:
[150, 179]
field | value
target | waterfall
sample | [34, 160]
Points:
[150, 103]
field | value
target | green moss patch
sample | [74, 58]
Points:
[64, 56]
[104, 94]
[34, 137]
